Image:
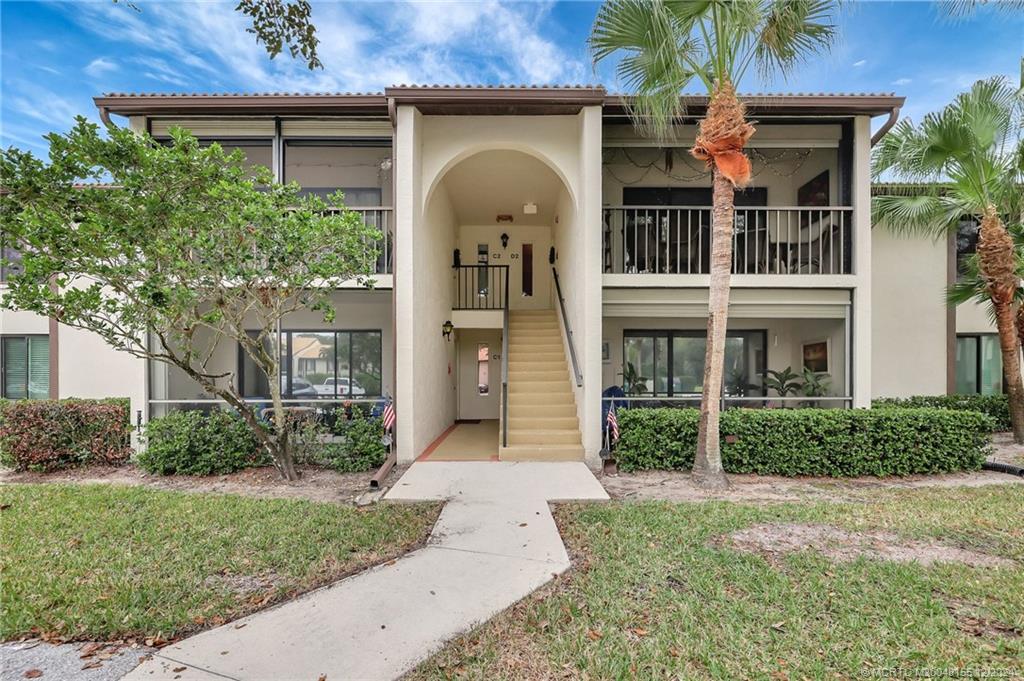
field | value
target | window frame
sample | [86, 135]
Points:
[978, 363]
[284, 346]
[671, 334]
[28, 367]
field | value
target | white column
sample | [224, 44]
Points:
[590, 228]
[406, 179]
[862, 262]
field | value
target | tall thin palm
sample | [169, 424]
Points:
[669, 44]
[969, 159]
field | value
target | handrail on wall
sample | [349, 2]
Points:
[504, 370]
[568, 331]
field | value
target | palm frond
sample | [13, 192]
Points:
[792, 31]
[660, 59]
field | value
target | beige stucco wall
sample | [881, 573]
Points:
[469, 236]
[909, 314]
[973, 317]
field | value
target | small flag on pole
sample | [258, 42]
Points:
[613, 423]
[388, 417]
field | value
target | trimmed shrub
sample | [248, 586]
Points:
[995, 406]
[825, 442]
[194, 443]
[361, 448]
[47, 435]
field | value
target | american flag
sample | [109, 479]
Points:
[388, 417]
[613, 423]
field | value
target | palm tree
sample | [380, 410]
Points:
[969, 158]
[669, 44]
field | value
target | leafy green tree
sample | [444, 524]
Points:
[185, 249]
[669, 44]
[968, 161]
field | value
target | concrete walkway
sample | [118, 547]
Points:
[494, 543]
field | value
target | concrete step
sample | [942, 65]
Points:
[547, 398]
[546, 346]
[549, 312]
[537, 387]
[537, 365]
[533, 409]
[517, 375]
[543, 437]
[541, 453]
[543, 422]
[522, 356]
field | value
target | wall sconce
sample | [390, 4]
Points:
[504, 240]
[446, 329]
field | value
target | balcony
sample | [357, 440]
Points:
[383, 220]
[766, 240]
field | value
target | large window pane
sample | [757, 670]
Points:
[673, 361]
[15, 353]
[638, 365]
[688, 364]
[991, 365]
[38, 367]
[366, 363]
[25, 367]
[312, 364]
[324, 167]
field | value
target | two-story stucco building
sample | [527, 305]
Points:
[539, 251]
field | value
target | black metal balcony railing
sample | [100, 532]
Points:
[481, 287]
[766, 240]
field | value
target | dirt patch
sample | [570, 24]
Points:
[316, 484]
[774, 540]
[1005, 451]
[971, 623]
[244, 584]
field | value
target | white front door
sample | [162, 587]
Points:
[479, 373]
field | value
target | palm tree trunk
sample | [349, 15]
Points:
[997, 264]
[707, 465]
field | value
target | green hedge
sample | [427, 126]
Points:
[995, 406]
[361, 447]
[46, 435]
[826, 442]
[194, 443]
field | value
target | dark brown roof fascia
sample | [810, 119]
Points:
[497, 100]
[269, 104]
[784, 104]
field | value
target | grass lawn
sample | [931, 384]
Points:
[108, 562]
[653, 596]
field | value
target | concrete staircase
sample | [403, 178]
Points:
[542, 421]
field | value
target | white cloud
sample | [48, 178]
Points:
[99, 66]
[903, 81]
[364, 47]
[860, 62]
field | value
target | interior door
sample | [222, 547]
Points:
[479, 374]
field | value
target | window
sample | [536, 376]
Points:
[966, 244]
[319, 364]
[483, 369]
[672, 362]
[25, 364]
[358, 168]
[979, 364]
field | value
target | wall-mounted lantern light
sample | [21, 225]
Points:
[446, 329]
[504, 239]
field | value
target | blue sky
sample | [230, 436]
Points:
[54, 57]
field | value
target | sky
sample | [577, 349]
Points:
[56, 56]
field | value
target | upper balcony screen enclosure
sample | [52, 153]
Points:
[790, 220]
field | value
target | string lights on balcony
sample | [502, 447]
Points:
[784, 163]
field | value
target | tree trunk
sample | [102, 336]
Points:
[707, 465]
[281, 451]
[997, 263]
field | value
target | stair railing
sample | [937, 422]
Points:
[568, 331]
[504, 370]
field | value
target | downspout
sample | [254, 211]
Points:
[894, 115]
[105, 117]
